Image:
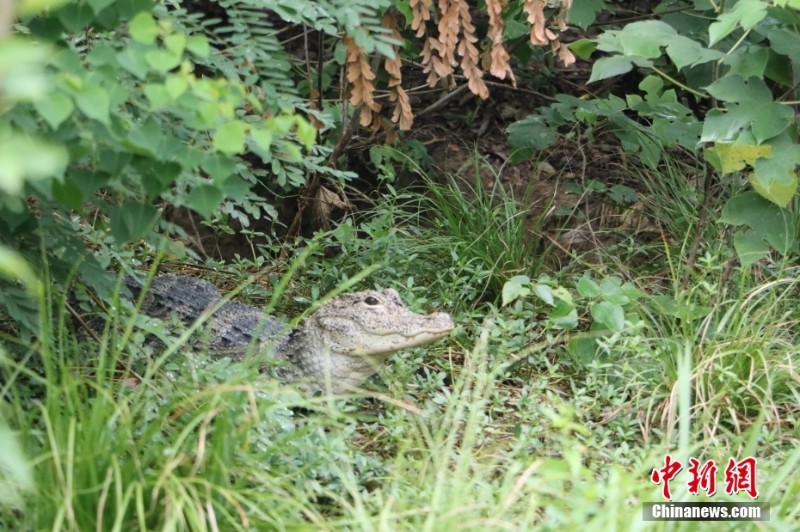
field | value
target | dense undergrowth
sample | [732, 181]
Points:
[509, 423]
[571, 373]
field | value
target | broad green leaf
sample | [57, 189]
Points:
[588, 288]
[198, 45]
[146, 139]
[564, 315]
[745, 14]
[55, 109]
[776, 178]
[133, 60]
[748, 62]
[157, 95]
[219, 167]
[783, 41]
[34, 7]
[609, 314]
[175, 86]
[766, 219]
[514, 288]
[721, 126]
[583, 48]
[95, 103]
[131, 221]
[143, 28]
[584, 13]
[13, 266]
[532, 131]
[770, 120]
[229, 137]
[99, 5]
[630, 291]
[25, 158]
[175, 43]
[750, 247]
[68, 194]
[645, 38]
[610, 289]
[608, 67]
[684, 52]
[22, 69]
[262, 138]
[205, 200]
[162, 61]
[545, 293]
[728, 157]
[736, 89]
[75, 16]
[158, 175]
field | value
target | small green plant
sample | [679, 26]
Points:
[491, 235]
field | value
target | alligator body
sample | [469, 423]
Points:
[334, 349]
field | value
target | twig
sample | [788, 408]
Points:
[698, 229]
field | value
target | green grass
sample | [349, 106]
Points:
[500, 427]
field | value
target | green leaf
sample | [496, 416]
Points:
[748, 62]
[609, 314]
[55, 109]
[684, 52]
[95, 103]
[175, 86]
[175, 43]
[162, 61]
[775, 178]
[750, 247]
[645, 38]
[262, 138]
[146, 139]
[34, 7]
[198, 45]
[75, 16]
[17, 477]
[583, 48]
[219, 167]
[133, 60]
[611, 291]
[514, 288]
[99, 5]
[745, 14]
[157, 95]
[588, 288]
[545, 293]
[608, 67]
[532, 131]
[68, 194]
[564, 315]
[736, 89]
[584, 13]
[143, 28]
[229, 138]
[131, 221]
[14, 267]
[766, 219]
[27, 158]
[728, 157]
[205, 200]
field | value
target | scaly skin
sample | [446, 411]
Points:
[335, 349]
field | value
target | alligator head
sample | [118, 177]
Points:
[347, 339]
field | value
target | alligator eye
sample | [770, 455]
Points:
[371, 301]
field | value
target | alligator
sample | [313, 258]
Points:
[333, 350]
